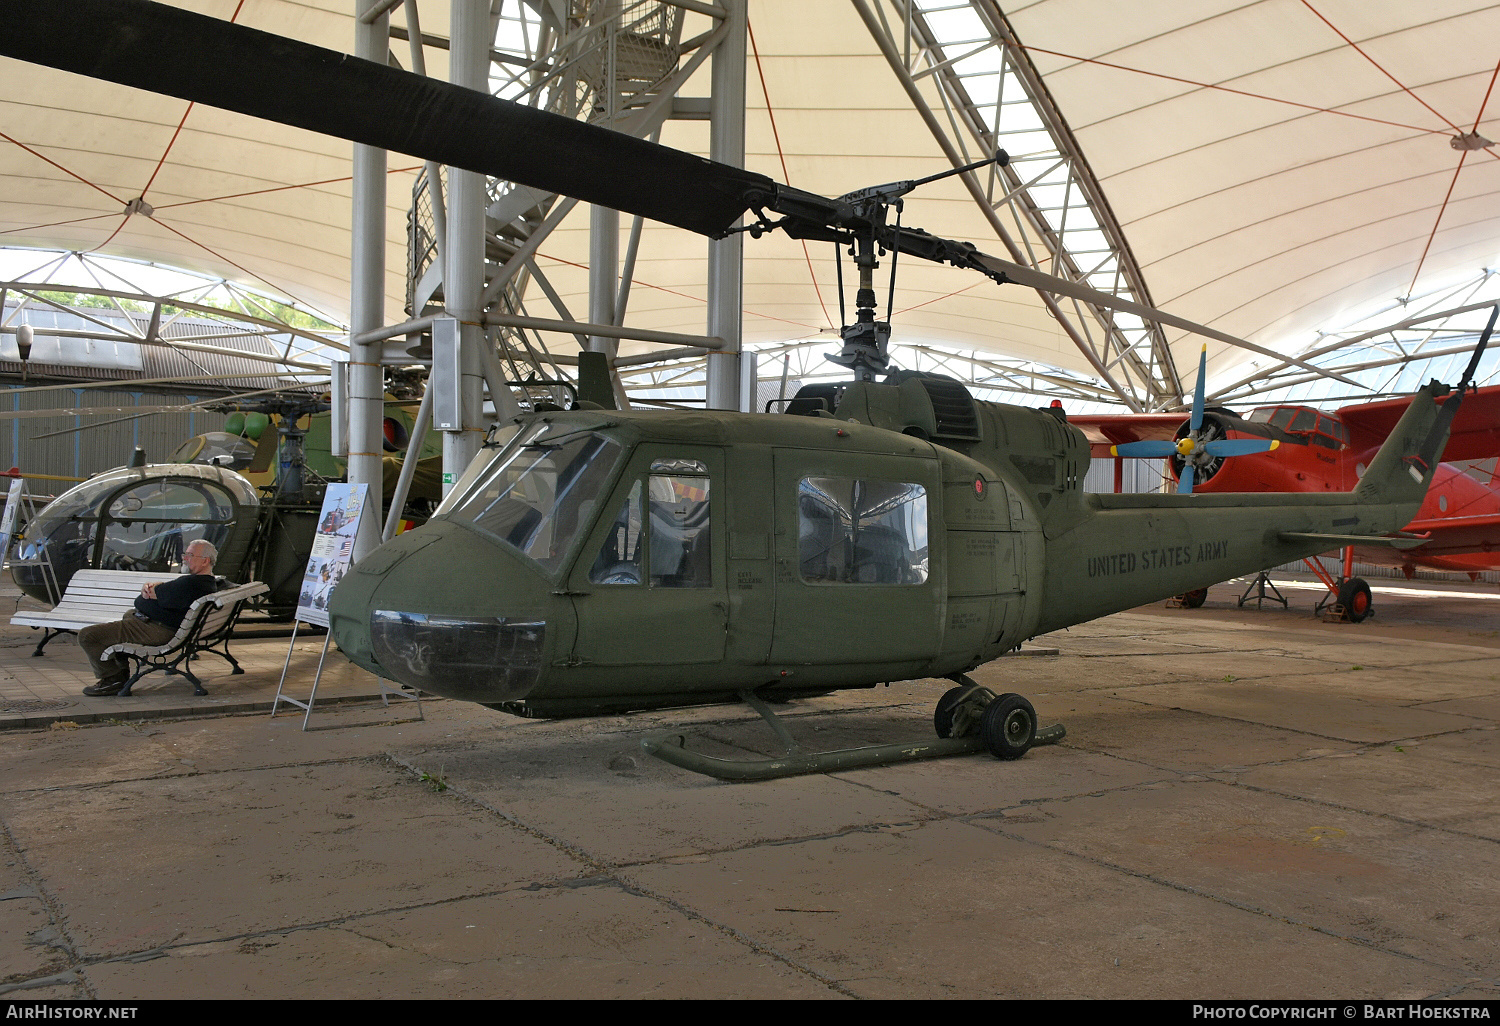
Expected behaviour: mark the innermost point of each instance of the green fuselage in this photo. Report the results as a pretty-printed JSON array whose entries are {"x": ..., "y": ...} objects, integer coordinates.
[{"x": 596, "y": 560}]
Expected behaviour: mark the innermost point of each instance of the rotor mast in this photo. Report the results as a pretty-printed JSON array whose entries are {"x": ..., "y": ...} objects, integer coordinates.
[{"x": 866, "y": 340}]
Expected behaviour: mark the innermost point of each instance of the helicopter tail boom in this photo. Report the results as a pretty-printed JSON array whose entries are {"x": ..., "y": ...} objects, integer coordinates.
[{"x": 1145, "y": 547}]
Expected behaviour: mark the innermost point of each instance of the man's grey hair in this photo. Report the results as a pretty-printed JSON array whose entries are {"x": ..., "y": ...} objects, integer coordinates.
[{"x": 206, "y": 547}]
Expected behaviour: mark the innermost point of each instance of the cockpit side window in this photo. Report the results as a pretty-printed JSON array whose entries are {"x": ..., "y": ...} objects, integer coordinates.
[
  {"x": 619, "y": 558},
  {"x": 148, "y": 527},
  {"x": 680, "y": 546},
  {"x": 665, "y": 541},
  {"x": 1329, "y": 433}
]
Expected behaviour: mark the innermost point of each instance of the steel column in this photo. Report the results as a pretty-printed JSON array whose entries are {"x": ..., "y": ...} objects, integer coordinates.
[
  {"x": 367, "y": 297},
  {"x": 463, "y": 271},
  {"x": 726, "y": 256},
  {"x": 604, "y": 273}
]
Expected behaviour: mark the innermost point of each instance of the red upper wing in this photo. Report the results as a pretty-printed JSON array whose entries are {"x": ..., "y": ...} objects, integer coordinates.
[
  {"x": 1106, "y": 429},
  {"x": 1453, "y": 535},
  {"x": 1476, "y": 429}
]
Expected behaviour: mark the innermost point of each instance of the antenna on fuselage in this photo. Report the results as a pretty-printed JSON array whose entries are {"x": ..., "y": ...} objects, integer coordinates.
[{"x": 1427, "y": 454}]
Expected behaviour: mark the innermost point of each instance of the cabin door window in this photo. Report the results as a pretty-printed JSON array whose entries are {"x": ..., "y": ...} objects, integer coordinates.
[
  {"x": 856, "y": 579},
  {"x": 649, "y": 589}
]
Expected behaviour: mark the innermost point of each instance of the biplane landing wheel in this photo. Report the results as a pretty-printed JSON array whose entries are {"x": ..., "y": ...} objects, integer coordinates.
[
  {"x": 1193, "y": 599},
  {"x": 1354, "y": 596},
  {"x": 1008, "y": 727}
]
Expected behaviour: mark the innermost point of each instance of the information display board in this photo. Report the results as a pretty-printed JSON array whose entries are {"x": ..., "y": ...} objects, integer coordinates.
[{"x": 332, "y": 550}]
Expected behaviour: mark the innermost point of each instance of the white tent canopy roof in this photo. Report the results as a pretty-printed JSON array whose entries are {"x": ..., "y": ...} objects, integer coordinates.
[{"x": 1275, "y": 165}]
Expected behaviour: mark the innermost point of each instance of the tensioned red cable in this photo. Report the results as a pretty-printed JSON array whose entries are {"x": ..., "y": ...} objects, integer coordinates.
[
  {"x": 218, "y": 256},
  {"x": 281, "y": 188},
  {"x": 210, "y": 199},
  {"x": 124, "y": 219},
  {"x": 939, "y": 299},
  {"x": 1478, "y": 118},
  {"x": 64, "y": 170},
  {"x": 173, "y": 141},
  {"x": 785, "y": 175},
  {"x": 1439, "y": 220},
  {"x": 161, "y": 162},
  {"x": 1228, "y": 89},
  {"x": 1376, "y": 65},
  {"x": 54, "y": 224}
]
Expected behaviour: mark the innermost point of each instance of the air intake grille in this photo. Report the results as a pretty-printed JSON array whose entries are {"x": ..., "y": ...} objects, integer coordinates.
[{"x": 954, "y": 409}]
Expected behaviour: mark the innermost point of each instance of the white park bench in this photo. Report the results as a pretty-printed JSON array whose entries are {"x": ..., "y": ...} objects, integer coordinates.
[
  {"x": 206, "y": 627},
  {"x": 92, "y": 596},
  {"x": 103, "y": 596}
]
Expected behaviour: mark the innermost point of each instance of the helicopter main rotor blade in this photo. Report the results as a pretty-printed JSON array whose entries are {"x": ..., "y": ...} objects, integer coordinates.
[
  {"x": 1044, "y": 282},
  {"x": 92, "y": 411},
  {"x": 137, "y": 412},
  {"x": 179, "y": 53}
]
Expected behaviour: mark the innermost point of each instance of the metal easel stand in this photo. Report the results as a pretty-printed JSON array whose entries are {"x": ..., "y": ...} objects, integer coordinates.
[
  {"x": 32, "y": 505},
  {"x": 1259, "y": 585},
  {"x": 386, "y": 693}
]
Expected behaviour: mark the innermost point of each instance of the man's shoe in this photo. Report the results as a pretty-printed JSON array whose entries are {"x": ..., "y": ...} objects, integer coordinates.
[{"x": 105, "y": 688}]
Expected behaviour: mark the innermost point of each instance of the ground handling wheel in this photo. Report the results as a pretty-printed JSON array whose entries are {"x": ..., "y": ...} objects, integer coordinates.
[
  {"x": 958, "y": 711},
  {"x": 1008, "y": 727},
  {"x": 1193, "y": 599}
]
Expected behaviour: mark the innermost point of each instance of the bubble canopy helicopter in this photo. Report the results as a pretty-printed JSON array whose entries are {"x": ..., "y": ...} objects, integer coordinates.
[
  {"x": 890, "y": 528},
  {"x": 253, "y": 490}
]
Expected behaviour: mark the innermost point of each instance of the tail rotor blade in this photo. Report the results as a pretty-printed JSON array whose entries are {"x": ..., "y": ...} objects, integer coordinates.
[
  {"x": 1484, "y": 339},
  {"x": 1432, "y": 446}
]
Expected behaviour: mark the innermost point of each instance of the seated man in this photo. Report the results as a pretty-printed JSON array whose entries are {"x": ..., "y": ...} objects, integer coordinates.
[{"x": 158, "y": 613}]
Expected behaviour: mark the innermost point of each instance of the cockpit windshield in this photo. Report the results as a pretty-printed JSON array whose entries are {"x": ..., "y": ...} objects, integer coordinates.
[{"x": 538, "y": 492}]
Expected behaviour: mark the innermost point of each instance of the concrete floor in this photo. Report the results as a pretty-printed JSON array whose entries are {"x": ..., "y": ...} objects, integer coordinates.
[{"x": 1249, "y": 804}]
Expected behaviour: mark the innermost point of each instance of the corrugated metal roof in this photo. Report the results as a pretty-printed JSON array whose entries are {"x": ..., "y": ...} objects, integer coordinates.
[{"x": 65, "y": 358}]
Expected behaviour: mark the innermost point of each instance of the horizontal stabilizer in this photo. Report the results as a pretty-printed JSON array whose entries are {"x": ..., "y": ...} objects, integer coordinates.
[{"x": 1338, "y": 541}]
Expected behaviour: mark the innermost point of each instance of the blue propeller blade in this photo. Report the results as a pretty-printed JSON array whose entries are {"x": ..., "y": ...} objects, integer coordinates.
[
  {"x": 1238, "y": 446},
  {"x": 1185, "y": 482},
  {"x": 1197, "y": 421},
  {"x": 1153, "y": 449}
]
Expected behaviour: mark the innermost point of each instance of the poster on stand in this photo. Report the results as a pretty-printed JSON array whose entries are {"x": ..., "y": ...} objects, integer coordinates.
[{"x": 332, "y": 551}]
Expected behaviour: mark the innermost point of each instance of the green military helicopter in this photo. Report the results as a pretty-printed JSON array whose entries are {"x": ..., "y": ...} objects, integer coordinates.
[{"x": 890, "y": 528}]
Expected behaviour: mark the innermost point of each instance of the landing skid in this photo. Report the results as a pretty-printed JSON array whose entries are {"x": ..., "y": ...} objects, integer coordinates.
[{"x": 1008, "y": 732}]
